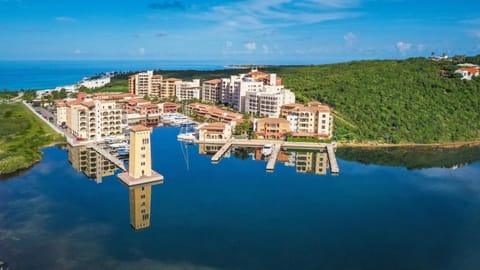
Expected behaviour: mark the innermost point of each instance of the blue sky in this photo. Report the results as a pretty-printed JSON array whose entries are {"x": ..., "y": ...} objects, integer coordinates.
[{"x": 249, "y": 31}]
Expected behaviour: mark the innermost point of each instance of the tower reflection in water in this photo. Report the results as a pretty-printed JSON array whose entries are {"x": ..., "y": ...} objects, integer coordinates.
[{"x": 95, "y": 166}]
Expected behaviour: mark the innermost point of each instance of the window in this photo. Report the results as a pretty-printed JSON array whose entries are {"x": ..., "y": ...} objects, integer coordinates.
[{"x": 142, "y": 196}]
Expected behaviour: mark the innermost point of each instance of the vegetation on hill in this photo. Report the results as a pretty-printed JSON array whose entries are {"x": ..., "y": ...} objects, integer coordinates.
[
  {"x": 21, "y": 134},
  {"x": 392, "y": 101}
]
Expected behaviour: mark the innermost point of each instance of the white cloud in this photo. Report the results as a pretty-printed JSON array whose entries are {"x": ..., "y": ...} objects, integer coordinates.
[
  {"x": 265, "y": 48},
  {"x": 250, "y": 46},
  {"x": 77, "y": 51},
  {"x": 349, "y": 39},
  {"x": 403, "y": 47},
  {"x": 265, "y": 14},
  {"x": 141, "y": 51},
  {"x": 421, "y": 47},
  {"x": 337, "y": 3},
  {"x": 65, "y": 19}
]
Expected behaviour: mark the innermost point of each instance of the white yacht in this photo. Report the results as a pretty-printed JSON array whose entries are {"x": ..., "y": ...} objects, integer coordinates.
[{"x": 267, "y": 149}]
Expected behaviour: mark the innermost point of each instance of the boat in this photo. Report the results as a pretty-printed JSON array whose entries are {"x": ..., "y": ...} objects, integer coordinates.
[
  {"x": 267, "y": 149},
  {"x": 187, "y": 137}
]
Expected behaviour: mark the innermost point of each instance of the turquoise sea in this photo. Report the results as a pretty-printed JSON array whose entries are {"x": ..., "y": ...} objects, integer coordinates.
[
  {"x": 16, "y": 75},
  {"x": 235, "y": 215}
]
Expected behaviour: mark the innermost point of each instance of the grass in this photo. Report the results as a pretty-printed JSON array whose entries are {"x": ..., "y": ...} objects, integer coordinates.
[{"x": 21, "y": 135}]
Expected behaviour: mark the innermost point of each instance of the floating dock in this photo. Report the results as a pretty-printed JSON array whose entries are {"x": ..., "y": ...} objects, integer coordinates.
[
  {"x": 333, "y": 160},
  {"x": 278, "y": 145},
  {"x": 108, "y": 156},
  {"x": 273, "y": 157},
  {"x": 216, "y": 158}
]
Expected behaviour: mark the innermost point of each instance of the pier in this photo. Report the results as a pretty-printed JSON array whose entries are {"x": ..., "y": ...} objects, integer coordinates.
[
  {"x": 107, "y": 155},
  {"x": 273, "y": 157},
  {"x": 278, "y": 145},
  {"x": 333, "y": 160},
  {"x": 216, "y": 158}
]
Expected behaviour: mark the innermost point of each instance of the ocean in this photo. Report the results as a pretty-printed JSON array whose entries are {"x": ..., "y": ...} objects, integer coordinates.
[{"x": 17, "y": 75}]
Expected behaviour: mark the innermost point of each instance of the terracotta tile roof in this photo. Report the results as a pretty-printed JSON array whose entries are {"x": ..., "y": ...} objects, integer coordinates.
[
  {"x": 214, "y": 126},
  {"x": 214, "y": 81},
  {"x": 472, "y": 70},
  {"x": 274, "y": 120},
  {"x": 60, "y": 103},
  {"x": 139, "y": 128}
]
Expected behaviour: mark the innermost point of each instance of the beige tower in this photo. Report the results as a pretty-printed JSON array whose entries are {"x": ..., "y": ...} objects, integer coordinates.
[
  {"x": 140, "y": 203},
  {"x": 140, "y": 160}
]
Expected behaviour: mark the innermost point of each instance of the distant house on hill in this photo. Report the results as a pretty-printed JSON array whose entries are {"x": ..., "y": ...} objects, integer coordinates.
[{"x": 468, "y": 71}]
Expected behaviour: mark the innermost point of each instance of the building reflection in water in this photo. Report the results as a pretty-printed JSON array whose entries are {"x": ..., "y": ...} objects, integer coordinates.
[
  {"x": 95, "y": 166},
  {"x": 308, "y": 162},
  {"x": 90, "y": 163}
]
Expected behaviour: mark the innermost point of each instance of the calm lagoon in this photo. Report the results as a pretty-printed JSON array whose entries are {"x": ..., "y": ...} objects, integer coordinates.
[{"x": 235, "y": 215}]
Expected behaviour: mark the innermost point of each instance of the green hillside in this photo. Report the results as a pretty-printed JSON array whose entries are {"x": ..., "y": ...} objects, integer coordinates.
[{"x": 392, "y": 101}]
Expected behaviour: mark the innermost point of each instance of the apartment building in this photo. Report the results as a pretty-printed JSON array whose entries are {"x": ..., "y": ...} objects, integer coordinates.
[
  {"x": 188, "y": 90},
  {"x": 95, "y": 83},
  {"x": 269, "y": 101},
  {"x": 141, "y": 111},
  {"x": 90, "y": 119},
  {"x": 271, "y": 128},
  {"x": 61, "y": 112},
  {"x": 254, "y": 92},
  {"x": 168, "y": 88},
  {"x": 314, "y": 120},
  {"x": 214, "y": 113},
  {"x": 168, "y": 107},
  {"x": 145, "y": 84},
  {"x": 211, "y": 90},
  {"x": 141, "y": 83},
  {"x": 214, "y": 131}
]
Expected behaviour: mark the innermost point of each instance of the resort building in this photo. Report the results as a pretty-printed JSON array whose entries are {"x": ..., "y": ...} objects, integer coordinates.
[
  {"x": 269, "y": 101},
  {"x": 211, "y": 90},
  {"x": 61, "y": 112},
  {"x": 188, "y": 90},
  {"x": 254, "y": 92},
  {"x": 168, "y": 107},
  {"x": 312, "y": 121},
  {"x": 214, "y": 131},
  {"x": 213, "y": 113},
  {"x": 468, "y": 71},
  {"x": 271, "y": 128},
  {"x": 141, "y": 111},
  {"x": 141, "y": 83},
  {"x": 145, "y": 84},
  {"x": 95, "y": 83},
  {"x": 89, "y": 119},
  {"x": 168, "y": 88}
]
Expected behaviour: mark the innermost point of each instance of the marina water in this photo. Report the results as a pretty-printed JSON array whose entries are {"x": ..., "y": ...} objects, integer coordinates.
[{"x": 235, "y": 215}]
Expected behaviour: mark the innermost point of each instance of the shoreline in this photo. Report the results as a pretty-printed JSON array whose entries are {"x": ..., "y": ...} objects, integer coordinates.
[{"x": 409, "y": 145}]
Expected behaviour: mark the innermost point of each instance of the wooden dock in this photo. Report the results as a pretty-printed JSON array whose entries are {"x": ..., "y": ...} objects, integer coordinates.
[
  {"x": 278, "y": 145},
  {"x": 218, "y": 156},
  {"x": 333, "y": 160},
  {"x": 273, "y": 157},
  {"x": 108, "y": 156}
]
